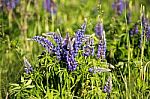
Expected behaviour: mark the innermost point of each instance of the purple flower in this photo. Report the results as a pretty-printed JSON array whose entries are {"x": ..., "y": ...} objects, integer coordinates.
[
  {"x": 92, "y": 46},
  {"x": 44, "y": 42},
  {"x": 70, "y": 60},
  {"x": 89, "y": 47},
  {"x": 65, "y": 41},
  {"x": 134, "y": 30},
  {"x": 108, "y": 86},
  {"x": 101, "y": 52},
  {"x": 144, "y": 21},
  {"x": 66, "y": 52},
  {"x": 66, "y": 49},
  {"x": 91, "y": 70},
  {"x": 118, "y": 6},
  {"x": 144, "y": 28},
  {"x": 87, "y": 50},
  {"x": 11, "y": 4},
  {"x": 70, "y": 56},
  {"x": 58, "y": 46},
  {"x": 28, "y": 68},
  {"x": 148, "y": 33},
  {"x": 65, "y": 46},
  {"x": 99, "y": 30},
  {"x": 50, "y": 6},
  {"x": 141, "y": 38},
  {"x": 98, "y": 69},
  {"x": 78, "y": 38},
  {"x": 57, "y": 49}
]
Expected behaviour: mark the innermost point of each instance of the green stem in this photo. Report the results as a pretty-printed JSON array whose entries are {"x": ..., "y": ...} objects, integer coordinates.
[{"x": 129, "y": 53}]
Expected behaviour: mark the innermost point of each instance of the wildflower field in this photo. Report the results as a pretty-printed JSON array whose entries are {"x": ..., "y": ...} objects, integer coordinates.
[{"x": 74, "y": 49}]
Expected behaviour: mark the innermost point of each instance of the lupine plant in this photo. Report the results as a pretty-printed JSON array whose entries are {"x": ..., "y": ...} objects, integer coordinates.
[{"x": 68, "y": 51}]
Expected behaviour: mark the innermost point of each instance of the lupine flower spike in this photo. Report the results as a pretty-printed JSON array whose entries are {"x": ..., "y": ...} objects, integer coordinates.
[
  {"x": 78, "y": 38},
  {"x": 108, "y": 86},
  {"x": 101, "y": 53},
  {"x": 144, "y": 27},
  {"x": 148, "y": 33},
  {"x": 65, "y": 41},
  {"x": 11, "y": 4},
  {"x": 58, "y": 40},
  {"x": 70, "y": 57},
  {"x": 134, "y": 30},
  {"x": 28, "y": 68},
  {"x": 100, "y": 33},
  {"x": 50, "y": 6},
  {"x": 99, "y": 30},
  {"x": 64, "y": 50},
  {"x": 57, "y": 49},
  {"x": 44, "y": 42},
  {"x": 65, "y": 47},
  {"x": 89, "y": 47},
  {"x": 118, "y": 6},
  {"x": 98, "y": 70},
  {"x": 144, "y": 20}
]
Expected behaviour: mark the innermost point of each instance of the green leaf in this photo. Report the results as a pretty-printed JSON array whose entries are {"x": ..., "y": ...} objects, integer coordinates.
[
  {"x": 22, "y": 79},
  {"x": 11, "y": 84},
  {"x": 30, "y": 86},
  {"x": 29, "y": 82}
]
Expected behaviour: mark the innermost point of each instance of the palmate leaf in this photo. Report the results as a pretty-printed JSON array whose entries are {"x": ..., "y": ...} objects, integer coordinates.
[{"x": 14, "y": 89}]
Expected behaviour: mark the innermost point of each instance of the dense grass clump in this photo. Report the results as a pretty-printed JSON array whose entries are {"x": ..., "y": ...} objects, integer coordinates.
[{"x": 74, "y": 49}]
